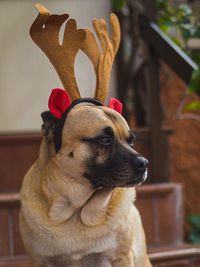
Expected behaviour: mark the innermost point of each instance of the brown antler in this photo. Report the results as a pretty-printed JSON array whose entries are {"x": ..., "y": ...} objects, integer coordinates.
[
  {"x": 45, "y": 33},
  {"x": 102, "y": 61}
]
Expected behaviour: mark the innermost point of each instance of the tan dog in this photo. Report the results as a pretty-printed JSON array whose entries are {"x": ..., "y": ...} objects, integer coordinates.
[{"x": 77, "y": 203}]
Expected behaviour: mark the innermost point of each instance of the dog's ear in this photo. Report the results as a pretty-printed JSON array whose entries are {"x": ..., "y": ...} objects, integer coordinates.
[{"x": 48, "y": 126}]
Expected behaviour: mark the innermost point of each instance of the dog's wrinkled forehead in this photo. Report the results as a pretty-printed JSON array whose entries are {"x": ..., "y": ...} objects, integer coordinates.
[{"x": 90, "y": 120}]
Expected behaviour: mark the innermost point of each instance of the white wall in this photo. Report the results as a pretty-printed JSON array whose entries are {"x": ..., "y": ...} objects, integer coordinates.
[{"x": 26, "y": 76}]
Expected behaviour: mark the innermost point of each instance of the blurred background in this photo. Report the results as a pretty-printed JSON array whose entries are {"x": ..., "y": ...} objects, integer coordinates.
[{"x": 156, "y": 76}]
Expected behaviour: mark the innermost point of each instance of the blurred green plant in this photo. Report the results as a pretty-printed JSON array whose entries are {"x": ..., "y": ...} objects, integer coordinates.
[
  {"x": 182, "y": 23},
  {"x": 118, "y": 4},
  {"x": 194, "y": 234}
]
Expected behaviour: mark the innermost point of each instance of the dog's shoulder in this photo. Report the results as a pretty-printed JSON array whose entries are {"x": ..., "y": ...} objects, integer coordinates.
[{"x": 31, "y": 182}]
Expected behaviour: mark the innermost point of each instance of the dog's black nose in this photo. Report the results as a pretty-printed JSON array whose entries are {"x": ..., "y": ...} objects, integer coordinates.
[{"x": 140, "y": 163}]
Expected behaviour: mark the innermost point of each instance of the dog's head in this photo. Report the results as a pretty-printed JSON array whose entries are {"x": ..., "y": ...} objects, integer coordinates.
[{"x": 98, "y": 145}]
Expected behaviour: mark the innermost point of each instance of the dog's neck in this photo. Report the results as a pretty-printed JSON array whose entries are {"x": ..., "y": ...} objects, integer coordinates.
[
  {"x": 94, "y": 212},
  {"x": 65, "y": 196}
]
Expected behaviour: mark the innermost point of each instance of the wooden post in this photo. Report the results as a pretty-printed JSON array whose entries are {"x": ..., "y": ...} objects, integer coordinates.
[{"x": 160, "y": 171}]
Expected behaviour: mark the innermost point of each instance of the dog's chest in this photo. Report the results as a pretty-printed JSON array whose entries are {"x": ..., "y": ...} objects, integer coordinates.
[
  {"x": 78, "y": 246},
  {"x": 73, "y": 247}
]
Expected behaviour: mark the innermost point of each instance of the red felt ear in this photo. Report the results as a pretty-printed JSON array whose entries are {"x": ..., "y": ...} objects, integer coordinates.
[
  {"x": 115, "y": 104},
  {"x": 59, "y": 101}
]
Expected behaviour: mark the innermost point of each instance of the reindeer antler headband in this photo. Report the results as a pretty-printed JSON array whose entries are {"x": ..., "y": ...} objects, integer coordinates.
[{"x": 45, "y": 33}]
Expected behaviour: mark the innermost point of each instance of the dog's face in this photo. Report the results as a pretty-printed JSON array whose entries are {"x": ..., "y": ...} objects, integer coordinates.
[{"x": 97, "y": 145}]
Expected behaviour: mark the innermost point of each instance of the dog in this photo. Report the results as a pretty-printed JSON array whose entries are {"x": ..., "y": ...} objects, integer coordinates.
[
  {"x": 77, "y": 205},
  {"x": 77, "y": 199}
]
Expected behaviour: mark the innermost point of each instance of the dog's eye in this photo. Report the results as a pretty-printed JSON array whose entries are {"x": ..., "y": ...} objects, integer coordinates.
[
  {"x": 131, "y": 139},
  {"x": 105, "y": 140},
  {"x": 131, "y": 143}
]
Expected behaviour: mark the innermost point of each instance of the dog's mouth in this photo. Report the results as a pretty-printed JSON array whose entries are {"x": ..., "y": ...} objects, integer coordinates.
[
  {"x": 137, "y": 180},
  {"x": 121, "y": 179},
  {"x": 131, "y": 178}
]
